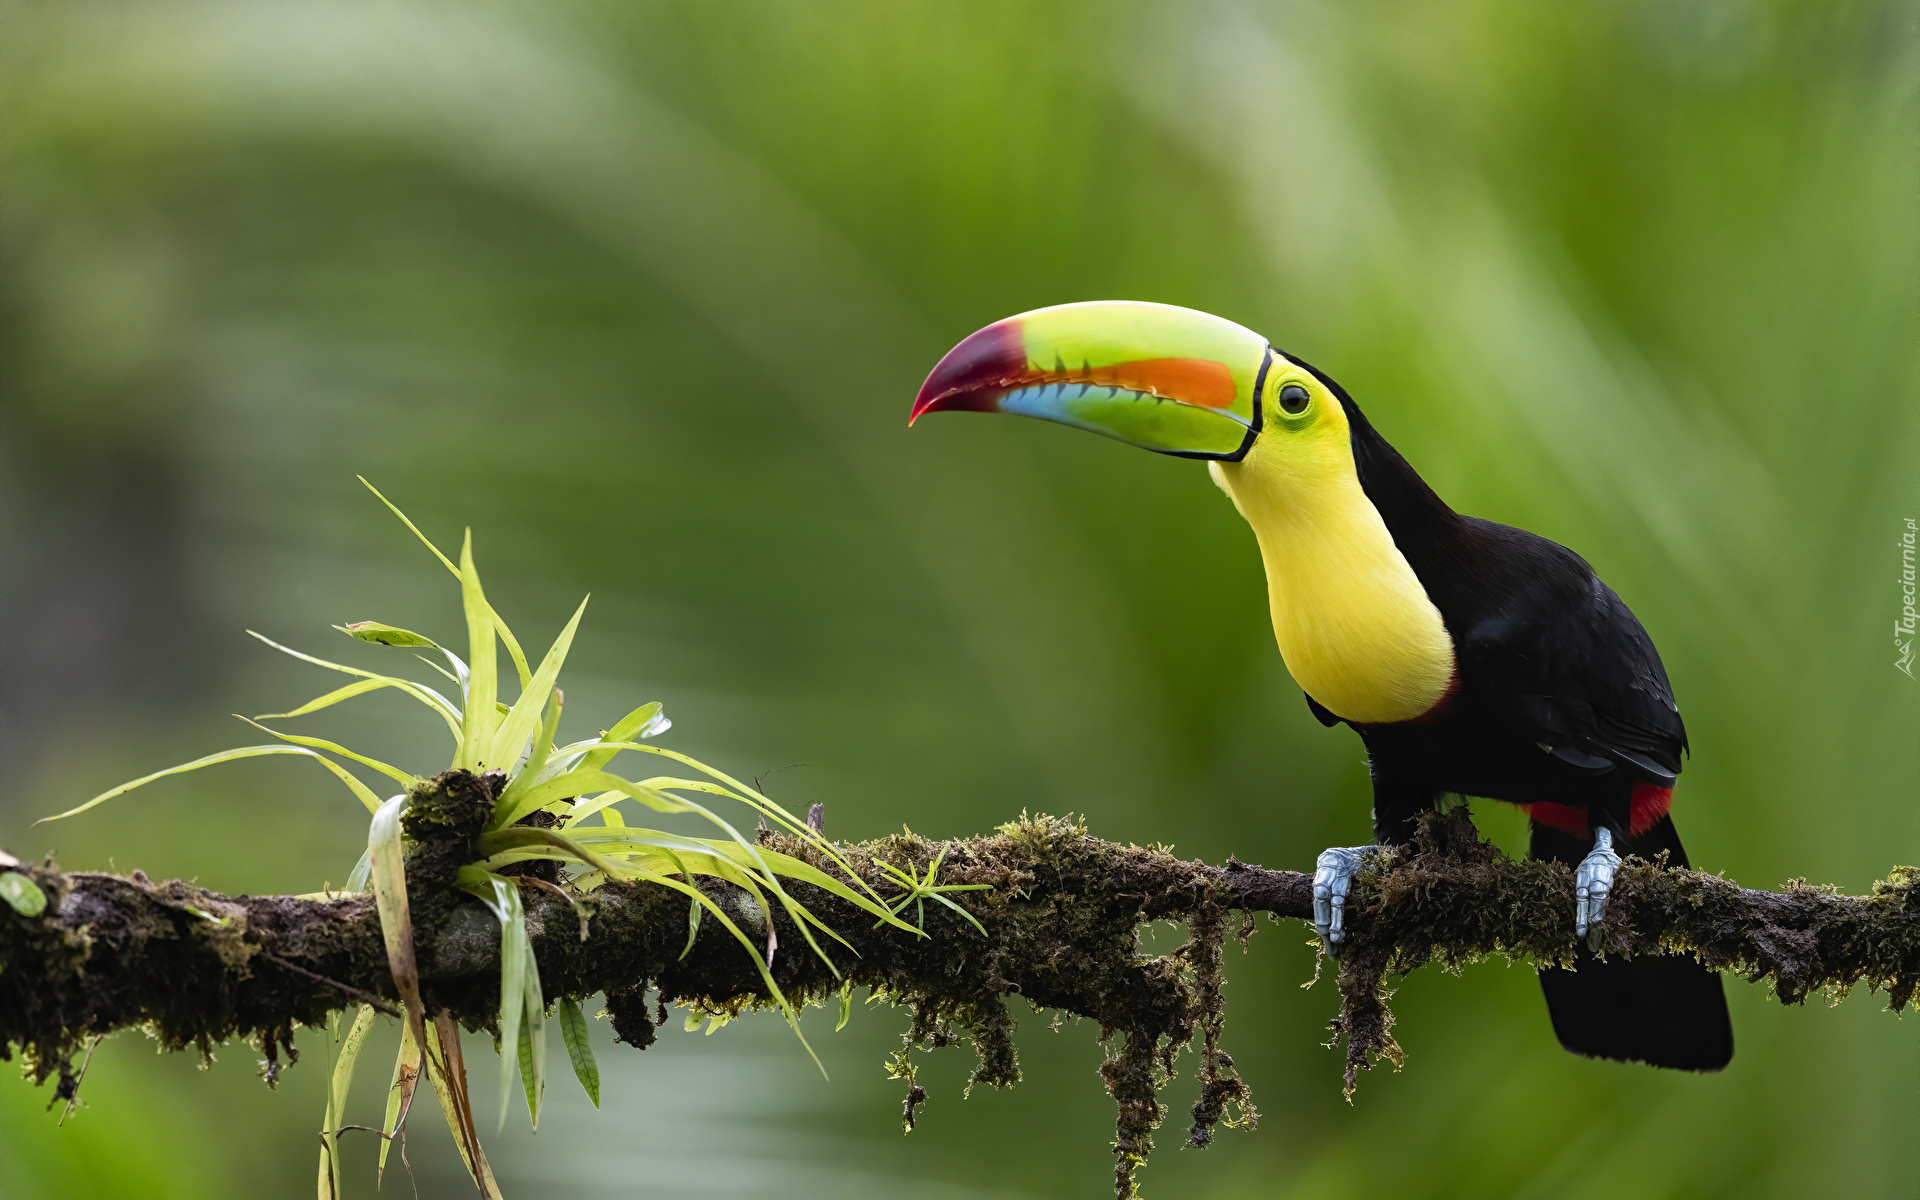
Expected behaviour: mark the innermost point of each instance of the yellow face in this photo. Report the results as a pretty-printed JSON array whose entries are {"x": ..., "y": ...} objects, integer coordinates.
[
  {"x": 1353, "y": 622},
  {"x": 1305, "y": 443}
]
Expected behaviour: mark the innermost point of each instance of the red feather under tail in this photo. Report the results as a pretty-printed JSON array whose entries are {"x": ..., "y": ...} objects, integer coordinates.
[{"x": 1650, "y": 803}]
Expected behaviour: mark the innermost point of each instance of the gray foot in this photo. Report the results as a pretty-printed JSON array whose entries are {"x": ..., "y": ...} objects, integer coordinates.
[
  {"x": 1591, "y": 884},
  {"x": 1333, "y": 874}
]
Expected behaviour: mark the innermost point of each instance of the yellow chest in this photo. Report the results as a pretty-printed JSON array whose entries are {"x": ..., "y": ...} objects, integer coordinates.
[{"x": 1353, "y": 622}]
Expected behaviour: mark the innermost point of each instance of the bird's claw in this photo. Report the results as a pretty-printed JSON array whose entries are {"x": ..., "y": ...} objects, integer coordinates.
[
  {"x": 1591, "y": 885},
  {"x": 1333, "y": 874}
]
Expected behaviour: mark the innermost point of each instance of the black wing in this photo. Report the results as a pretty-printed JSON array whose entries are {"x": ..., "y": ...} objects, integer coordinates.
[{"x": 1582, "y": 677}]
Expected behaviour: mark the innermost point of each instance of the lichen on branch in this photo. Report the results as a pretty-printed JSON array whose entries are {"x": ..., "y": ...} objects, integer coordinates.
[{"x": 1062, "y": 921}]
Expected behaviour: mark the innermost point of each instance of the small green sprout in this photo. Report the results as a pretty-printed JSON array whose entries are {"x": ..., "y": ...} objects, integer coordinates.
[
  {"x": 919, "y": 891},
  {"x": 23, "y": 894}
]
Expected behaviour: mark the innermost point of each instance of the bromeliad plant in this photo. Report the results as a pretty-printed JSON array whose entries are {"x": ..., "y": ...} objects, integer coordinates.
[{"x": 570, "y": 782}]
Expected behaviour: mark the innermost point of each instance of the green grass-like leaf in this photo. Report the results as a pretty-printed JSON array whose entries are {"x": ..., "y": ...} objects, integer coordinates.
[
  {"x": 541, "y": 751},
  {"x": 425, "y": 695},
  {"x": 573, "y": 1031},
  {"x": 524, "y": 718},
  {"x": 313, "y": 743},
  {"x": 359, "y": 789},
  {"x": 533, "y": 1075},
  {"x": 480, "y": 720},
  {"x": 406, "y": 1077},
  {"x": 330, "y": 699},
  {"x": 724, "y": 855},
  {"x": 629, "y": 871},
  {"x": 506, "y": 635},
  {"x": 584, "y": 779},
  {"x": 753, "y": 799},
  {"x": 522, "y": 1003},
  {"x": 386, "y": 635},
  {"x": 388, "y": 875},
  {"x": 337, "y": 1086},
  {"x": 641, "y": 722}
]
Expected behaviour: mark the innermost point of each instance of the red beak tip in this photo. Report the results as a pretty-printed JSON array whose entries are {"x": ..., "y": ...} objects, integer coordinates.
[{"x": 968, "y": 375}]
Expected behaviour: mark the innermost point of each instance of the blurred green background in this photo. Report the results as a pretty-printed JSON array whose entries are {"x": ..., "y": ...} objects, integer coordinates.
[{"x": 641, "y": 291}]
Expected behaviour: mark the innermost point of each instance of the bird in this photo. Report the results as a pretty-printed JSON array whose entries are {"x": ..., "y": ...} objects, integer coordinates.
[{"x": 1472, "y": 658}]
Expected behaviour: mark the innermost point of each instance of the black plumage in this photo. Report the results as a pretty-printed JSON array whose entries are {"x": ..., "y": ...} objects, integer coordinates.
[{"x": 1559, "y": 698}]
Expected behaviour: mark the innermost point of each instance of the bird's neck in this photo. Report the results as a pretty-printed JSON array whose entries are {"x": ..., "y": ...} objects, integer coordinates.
[{"x": 1355, "y": 626}]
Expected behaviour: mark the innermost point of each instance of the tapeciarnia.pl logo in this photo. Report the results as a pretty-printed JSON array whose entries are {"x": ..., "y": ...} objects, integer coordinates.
[{"x": 1903, "y": 628}]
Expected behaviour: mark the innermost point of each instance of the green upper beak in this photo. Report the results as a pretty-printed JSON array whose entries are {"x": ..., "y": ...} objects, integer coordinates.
[{"x": 1151, "y": 375}]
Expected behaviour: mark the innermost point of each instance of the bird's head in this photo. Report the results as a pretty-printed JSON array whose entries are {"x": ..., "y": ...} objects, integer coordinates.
[
  {"x": 1350, "y": 615},
  {"x": 1163, "y": 378},
  {"x": 1352, "y": 618}
]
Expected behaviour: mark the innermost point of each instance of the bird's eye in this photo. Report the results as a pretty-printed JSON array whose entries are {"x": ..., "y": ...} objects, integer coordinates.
[{"x": 1295, "y": 398}]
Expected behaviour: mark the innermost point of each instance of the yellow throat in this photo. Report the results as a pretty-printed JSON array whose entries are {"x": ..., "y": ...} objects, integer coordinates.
[{"x": 1355, "y": 626}]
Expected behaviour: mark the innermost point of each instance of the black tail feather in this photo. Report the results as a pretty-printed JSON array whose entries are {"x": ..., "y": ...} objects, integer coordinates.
[{"x": 1666, "y": 1011}]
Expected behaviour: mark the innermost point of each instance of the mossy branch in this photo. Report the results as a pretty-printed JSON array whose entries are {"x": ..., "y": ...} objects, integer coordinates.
[{"x": 1062, "y": 922}]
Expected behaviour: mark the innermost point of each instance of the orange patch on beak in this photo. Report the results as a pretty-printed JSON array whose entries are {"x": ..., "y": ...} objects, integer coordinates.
[{"x": 1198, "y": 381}]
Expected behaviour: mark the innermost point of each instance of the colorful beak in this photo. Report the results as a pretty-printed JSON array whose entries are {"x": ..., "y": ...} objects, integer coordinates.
[{"x": 1152, "y": 375}]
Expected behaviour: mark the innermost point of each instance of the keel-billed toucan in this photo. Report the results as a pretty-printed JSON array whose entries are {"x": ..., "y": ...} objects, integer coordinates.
[{"x": 1472, "y": 658}]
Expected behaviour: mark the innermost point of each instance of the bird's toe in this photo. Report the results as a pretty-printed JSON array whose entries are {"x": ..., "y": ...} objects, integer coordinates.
[
  {"x": 1592, "y": 884},
  {"x": 1333, "y": 874}
]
